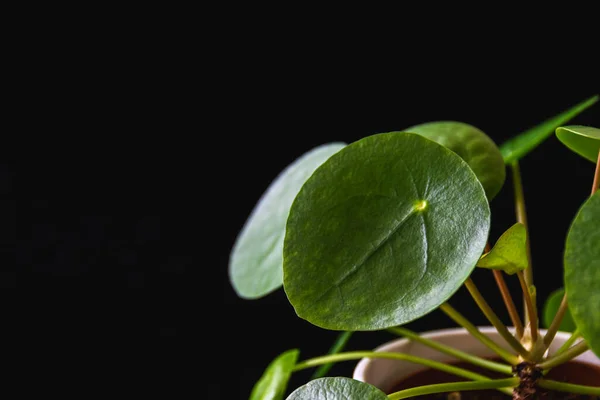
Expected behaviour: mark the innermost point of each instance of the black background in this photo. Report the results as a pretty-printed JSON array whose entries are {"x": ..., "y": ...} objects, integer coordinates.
[{"x": 126, "y": 224}]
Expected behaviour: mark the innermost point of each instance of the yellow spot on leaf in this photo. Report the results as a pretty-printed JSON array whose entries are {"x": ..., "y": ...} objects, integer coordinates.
[{"x": 421, "y": 205}]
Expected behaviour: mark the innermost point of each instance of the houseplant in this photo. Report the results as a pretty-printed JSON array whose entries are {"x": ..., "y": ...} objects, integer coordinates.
[{"x": 380, "y": 232}]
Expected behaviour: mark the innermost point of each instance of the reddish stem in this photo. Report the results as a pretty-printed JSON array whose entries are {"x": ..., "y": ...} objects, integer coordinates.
[
  {"x": 530, "y": 307},
  {"x": 510, "y": 305}
]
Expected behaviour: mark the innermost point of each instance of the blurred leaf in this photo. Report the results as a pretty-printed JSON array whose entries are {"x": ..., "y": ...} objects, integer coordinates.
[
  {"x": 551, "y": 308},
  {"x": 273, "y": 384},
  {"x": 517, "y": 147},
  {"x": 583, "y": 140},
  {"x": 582, "y": 271},
  {"x": 256, "y": 261},
  {"x": 473, "y": 146}
]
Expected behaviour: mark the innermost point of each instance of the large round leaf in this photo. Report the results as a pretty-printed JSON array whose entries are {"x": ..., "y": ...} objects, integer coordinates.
[
  {"x": 582, "y": 271},
  {"x": 473, "y": 146},
  {"x": 273, "y": 384},
  {"x": 382, "y": 233},
  {"x": 256, "y": 261},
  {"x": 337, "y": 388},
  {"x": 583, "y": 140},
  {"x": 551, "y": 306}
]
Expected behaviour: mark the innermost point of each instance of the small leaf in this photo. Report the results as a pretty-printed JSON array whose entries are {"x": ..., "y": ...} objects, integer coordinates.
[
  {"x": 256, "y": 261},
  {"x": 510, "y": 251},
  {"x": 583, "y": 140},
  {"x": 517, "y": 147},
  {"x": 337, "y": 388},
  {"x": 551, "y": 308},
  {"x": 582, "y": 271},
  {"x": 382, "y": 233},
  {"x": 473, "y": 146},
  {"x": 273, "y": 384},
  {"x": 338, "y": 346}
]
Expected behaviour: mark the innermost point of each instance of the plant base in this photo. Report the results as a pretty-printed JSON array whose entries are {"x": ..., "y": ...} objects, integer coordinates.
[
  {"x": 572, "y": 372},
  {"x": 529, "y": 375}
]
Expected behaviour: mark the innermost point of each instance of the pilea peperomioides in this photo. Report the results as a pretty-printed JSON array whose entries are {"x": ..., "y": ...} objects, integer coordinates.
[{"x": 382, "y": 231}]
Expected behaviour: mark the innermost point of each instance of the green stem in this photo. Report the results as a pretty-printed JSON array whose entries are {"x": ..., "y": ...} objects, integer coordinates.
[
  {"x": 569, "y": 387},
  {"x": 355, "y": 355},
  {"x": 522, "y": 218},
  {"x": 508, "y": 301},
  {"x": 567, "y": 344},
  {"x": 555, "y": 325},
  {"x": 530, "y": 306},
  {"x": 455, "y": 387},
  {"x": 337, "y": 346},
  {"x": 472, "y": 329},
  {"x": 461, "y": 355},
  {"x": 565, "y": 356},
  {"x": 494, "y": 320}
]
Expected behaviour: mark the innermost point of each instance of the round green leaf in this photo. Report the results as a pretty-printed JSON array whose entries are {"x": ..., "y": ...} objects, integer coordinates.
[
  {"x": 256, "y": 261},
  {"x": 382, "y": 233},
  {"x": 510, "y": 251},
  {"x": 519, "y": 146},
  {"x": 273, "y": 384},
  {"x": 551, "y": 308},
  {"x": 473, "y": 146},
  {"x": 583, "y": 140},
  {"x": 337, "y": 388},
  {"x": 582, "y": 271}
]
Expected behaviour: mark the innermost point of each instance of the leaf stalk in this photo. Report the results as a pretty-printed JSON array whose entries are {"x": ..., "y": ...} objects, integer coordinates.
[
  {"x": 565, "y": 356},
  {"x": 556, "y": 321},
  {"x": 472, "y": 329},
  {"x": 494, "y": 320},
  {"x": 456, "y": 386},
  {"x": 529, "y": 306},
  {"x": 508, "y": 301},
  {"x": 461, "y": 355},
  {"x": 569, "y": 387}
]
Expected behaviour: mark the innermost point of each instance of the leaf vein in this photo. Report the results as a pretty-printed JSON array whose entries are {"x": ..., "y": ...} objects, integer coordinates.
[{"x": 369, "y": 254}]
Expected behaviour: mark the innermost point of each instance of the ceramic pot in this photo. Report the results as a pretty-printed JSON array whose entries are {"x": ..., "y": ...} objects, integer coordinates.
[{"x": 385, "y": 374}]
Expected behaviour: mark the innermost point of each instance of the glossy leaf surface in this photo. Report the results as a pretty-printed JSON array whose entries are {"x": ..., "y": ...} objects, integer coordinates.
[
  {"x": 516, "y": 148},
  {"x": 582, "y": 271},
  {"x": 256, "y": 261},
  {"x": 473, "y": 146},
  {"x": 510, "y": 251},
  {"x": 551, "y": 308},
  {"x": 382, "y": 233},
  {"x": 273, "y": 384},
  {"x": 583, "y": 140},
  {"x": 337, "y": 388}
]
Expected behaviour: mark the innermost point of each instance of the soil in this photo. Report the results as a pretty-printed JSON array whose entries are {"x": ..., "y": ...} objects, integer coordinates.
[{"x": 571, "y": 372}]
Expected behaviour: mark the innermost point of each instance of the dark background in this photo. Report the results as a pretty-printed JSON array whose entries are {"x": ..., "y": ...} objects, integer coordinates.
[{"x": 132, "y": 191}]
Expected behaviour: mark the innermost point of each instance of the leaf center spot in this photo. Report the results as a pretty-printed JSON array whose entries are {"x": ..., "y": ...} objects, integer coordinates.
[{"x": 421, "y": 205}]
